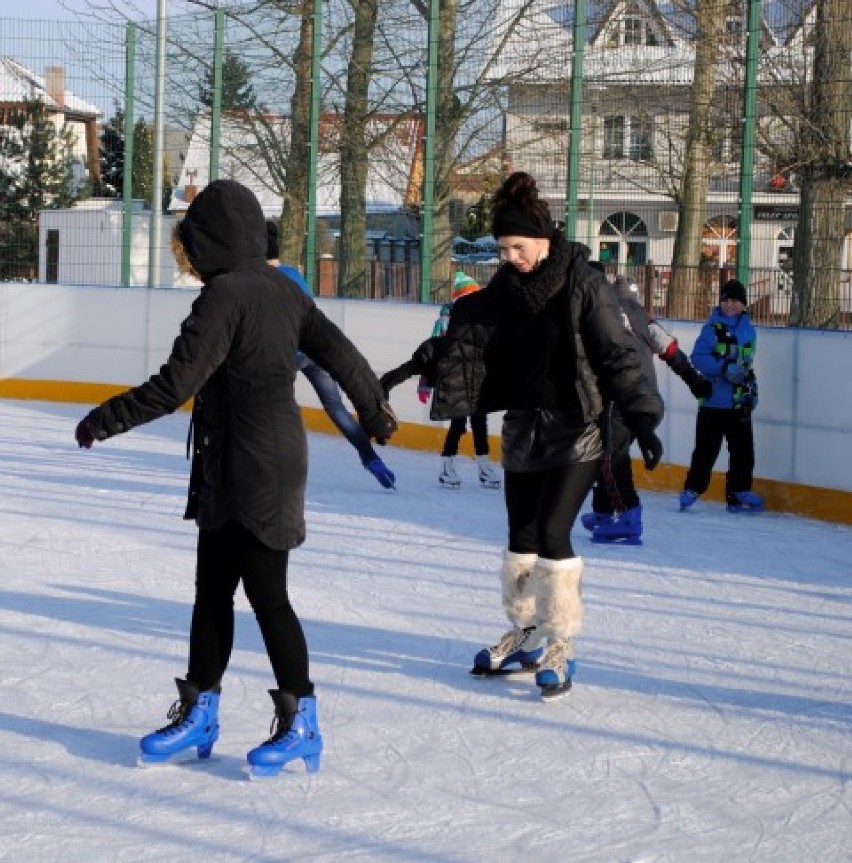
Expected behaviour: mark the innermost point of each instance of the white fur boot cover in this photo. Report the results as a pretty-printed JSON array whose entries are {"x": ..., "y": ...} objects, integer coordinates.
[
  {"x": 557, "y": 586},
  {"x": 518, "y": 591}
]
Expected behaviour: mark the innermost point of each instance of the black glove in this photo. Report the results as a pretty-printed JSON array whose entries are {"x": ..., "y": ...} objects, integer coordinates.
[
  {"x": 83, "y": 435},
  {"x": 395, "y": 377},
  {"x": 699, "y": 386},
  {"x": 650, "y": 445},
  {"x": 379, "y": 425}
]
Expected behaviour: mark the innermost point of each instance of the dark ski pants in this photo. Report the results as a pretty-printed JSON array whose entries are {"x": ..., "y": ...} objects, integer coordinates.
[
  {"x": 614, "y": 490},
  {"x": 542, "y": 508},
  {"x": 226, "y": 557},
  {"x": 479, "y": 428},
  {"x": 712, "y": 426}
]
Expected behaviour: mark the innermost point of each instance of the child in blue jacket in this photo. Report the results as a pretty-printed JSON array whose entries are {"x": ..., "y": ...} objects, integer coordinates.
[{"x": 724, "y": 353}]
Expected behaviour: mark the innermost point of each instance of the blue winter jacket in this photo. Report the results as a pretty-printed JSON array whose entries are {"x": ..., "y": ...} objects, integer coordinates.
[{"x": 726, "y": 340}]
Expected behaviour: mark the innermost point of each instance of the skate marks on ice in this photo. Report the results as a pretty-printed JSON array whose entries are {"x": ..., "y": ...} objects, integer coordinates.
[{"x": 708, "y": 719}]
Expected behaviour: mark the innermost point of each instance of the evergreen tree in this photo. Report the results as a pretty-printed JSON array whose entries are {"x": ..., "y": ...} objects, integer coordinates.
[
  {"x": 143, "y": 162},
  {"x": 237, "y": 89},
  {"x": 36, "y": 173},
  {"x": 111, "y": 153}
]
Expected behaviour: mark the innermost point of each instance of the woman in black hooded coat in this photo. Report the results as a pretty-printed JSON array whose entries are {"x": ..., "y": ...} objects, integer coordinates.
[
  {"x": 236, "y": 354},
  {"x": 544, "y": 342}
]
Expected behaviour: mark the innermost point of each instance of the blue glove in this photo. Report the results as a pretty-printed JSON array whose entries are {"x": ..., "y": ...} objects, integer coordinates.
[{"x": 734, "y": 373}]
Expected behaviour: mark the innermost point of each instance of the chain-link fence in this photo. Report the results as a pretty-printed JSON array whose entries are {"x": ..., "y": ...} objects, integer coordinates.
[{"x": 683, "y": 143}]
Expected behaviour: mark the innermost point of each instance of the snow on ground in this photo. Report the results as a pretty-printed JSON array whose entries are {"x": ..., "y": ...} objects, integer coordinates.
[{"x": 710, "y": 719}]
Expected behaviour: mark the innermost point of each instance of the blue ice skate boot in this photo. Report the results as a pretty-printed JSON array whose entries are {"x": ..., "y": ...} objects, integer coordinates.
[
  {"x": 381, "y": 472},
  {"x": 295, "y": 734},
  {"x": 518, "y": 646},
  {"x": 592, "y": 520},
  {"x": 687, "y": 499},
  {"x": 625, "y": 528},
  {"x": 194, "y": 723},
  {"x": 745, "y": 501},
  {"x": 556, "y": 670}
]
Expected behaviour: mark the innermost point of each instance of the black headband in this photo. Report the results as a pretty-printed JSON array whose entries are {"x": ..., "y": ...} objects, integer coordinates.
[{"x": 508, "y": 221}]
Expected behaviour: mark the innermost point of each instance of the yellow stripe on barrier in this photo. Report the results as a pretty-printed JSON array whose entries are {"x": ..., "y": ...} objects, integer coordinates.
[{"x": 825, "y": 504}]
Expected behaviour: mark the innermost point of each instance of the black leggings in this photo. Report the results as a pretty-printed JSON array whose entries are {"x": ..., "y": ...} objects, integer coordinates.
[
  {"x": 479, "y": 429},
  {"x": 226, "y": 556},
  {"x": 543, "y": 506}
]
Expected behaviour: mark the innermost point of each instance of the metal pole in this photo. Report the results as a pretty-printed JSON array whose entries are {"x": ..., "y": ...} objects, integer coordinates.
[
  {"x": 313, "y": 148},
  {"x": 746, "y": 214},
  {"x": 578, "y": 36},
  {"x": 427, "y": 242},
  {"x": 127, "y": 179},
  {"x": 216, "y": 108},
  {"x": 154, "y": 240}
]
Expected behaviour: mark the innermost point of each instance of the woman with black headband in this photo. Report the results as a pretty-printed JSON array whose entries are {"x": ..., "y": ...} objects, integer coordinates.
[{"x": 544, "y": 342}]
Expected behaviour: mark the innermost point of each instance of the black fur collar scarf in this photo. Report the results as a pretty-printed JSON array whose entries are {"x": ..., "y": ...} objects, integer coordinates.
[{"x": 529, "y": 292}]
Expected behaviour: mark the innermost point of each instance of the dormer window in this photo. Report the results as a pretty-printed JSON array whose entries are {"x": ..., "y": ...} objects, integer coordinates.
[{"x": 632, "y": 29}]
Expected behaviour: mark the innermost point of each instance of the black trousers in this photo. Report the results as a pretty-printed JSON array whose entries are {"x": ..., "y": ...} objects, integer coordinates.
[
  {"x": 479, "y": 428},
  {"x": 712, "y": 426},
  {"x": 542, "y": 508},
  {"x": 614, "y": 490},
  {"x": 225, "y": 557}
]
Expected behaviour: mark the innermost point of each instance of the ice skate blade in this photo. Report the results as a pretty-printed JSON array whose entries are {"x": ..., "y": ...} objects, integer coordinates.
[
  {"x": 555, "y": 691},
  {"x": 450, "y": 486},
  {"x": 526, "y": 668},
  {"x": 492, "y": 485},
  {"x": 617, "y": 540},
  {"x": 737, "y": 509}
]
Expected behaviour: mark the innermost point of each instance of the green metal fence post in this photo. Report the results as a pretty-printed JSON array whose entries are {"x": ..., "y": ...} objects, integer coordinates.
[
  {"x": 427, "y": 241},
  {"x": 746, "y": 214},
  {"x": 578, "y": 49},
  {"x": 127, "y": 180},
  {"x": 313, "y": 149},
  {"x": 216, "y": 108}
]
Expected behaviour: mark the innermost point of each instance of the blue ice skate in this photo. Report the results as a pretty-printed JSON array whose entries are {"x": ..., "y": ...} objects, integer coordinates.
[
  {"x": 687, "y": 499},
  {"x": 381, "y": 472},
  {"x": 592, "y": 520},
  {"x": 295, "y": 734},
  {"x": 194, "y": 723},
  {"x": 556, "y": 671},
  {"x": 517, "y": 647},
  {"x": 744, "y": 501},
  {"x": 623, "y": 529}
]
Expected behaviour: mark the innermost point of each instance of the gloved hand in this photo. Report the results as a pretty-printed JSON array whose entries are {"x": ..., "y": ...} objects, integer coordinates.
[
  {"x": 83, "y": 435},
  {"x": 380, "y": 425},
  {"x": 650, "y": 446},
  {"x": 424, "y": 391},
  {"x": 395, "y": 377},
  {"x": 679, "y": 363},
  {"x": 735, "y": 373}
]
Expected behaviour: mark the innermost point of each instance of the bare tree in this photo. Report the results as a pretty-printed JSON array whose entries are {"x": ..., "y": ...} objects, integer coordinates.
[
  {"x": 691, "y": 198},
  {"x": 826, "y": 156}
]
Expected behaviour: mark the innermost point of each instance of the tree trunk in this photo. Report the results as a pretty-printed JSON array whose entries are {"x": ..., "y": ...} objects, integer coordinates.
[
  {"x": 826, "y": 141},
  {"x": 449, "y": 114},
  {"x": 352, "y": 273},
  {"x": 684, "y": 286},
  {"x": 295, "y": 191}
]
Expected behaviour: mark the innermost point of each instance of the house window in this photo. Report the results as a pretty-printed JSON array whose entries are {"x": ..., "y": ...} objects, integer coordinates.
[
  {"x": 628, "y": 138},
  {"x": 719, "y": 242},
  {"x": 633, "y": 30},
  {"x": 623, "y": 240}
]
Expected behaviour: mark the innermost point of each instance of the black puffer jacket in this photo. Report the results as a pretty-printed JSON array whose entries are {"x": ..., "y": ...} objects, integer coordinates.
[
  {"x": 236, "y": 353},
  {"x": 550, "y": 348}
]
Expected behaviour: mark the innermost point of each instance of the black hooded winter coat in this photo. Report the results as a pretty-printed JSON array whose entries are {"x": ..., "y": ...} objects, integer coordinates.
[
  {"x": 550, "y": 348},
  {"x": 236, "y": 353}
]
